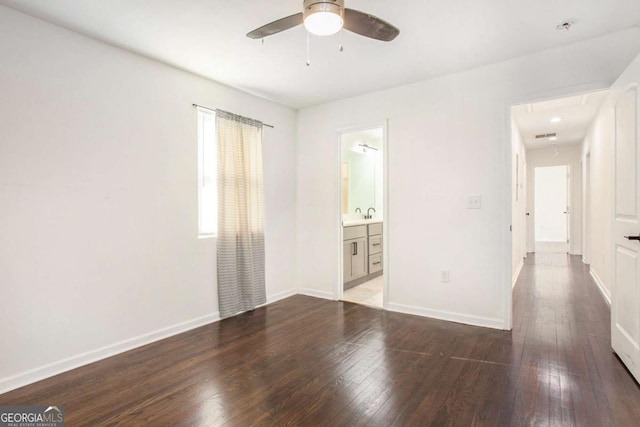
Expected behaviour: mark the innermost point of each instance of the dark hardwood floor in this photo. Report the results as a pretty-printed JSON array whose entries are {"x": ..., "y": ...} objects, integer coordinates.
[{"x": 310, "y": 362}]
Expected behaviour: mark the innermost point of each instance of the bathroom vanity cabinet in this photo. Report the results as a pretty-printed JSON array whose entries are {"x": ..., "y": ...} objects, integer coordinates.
[
  {"x": 355, "y": 252},
  {"x": 375, "y": 247},
  {"x": 362, "y": 253}
]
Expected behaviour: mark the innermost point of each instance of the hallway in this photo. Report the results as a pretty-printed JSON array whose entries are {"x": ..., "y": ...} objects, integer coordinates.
[{"x": 561, "y": 333}]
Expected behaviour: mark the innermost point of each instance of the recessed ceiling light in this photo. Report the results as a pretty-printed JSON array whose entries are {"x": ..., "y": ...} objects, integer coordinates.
[
  {"x": 556, "y": 120},
  {"x": 553, "y": 138}
]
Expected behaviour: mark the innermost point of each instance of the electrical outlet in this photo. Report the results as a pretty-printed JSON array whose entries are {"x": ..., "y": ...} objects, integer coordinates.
[
  {"x": 444, "y": 276},
  {"x": 474, "y": 201}
]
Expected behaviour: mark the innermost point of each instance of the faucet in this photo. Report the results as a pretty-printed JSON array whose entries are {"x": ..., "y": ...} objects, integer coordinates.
[
  {"x": 358, "y": 210},
  {"x": 368, "y": 215}
]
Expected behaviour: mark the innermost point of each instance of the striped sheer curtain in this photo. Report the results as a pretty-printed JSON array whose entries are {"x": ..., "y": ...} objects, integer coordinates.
[{"x": 241, "y": 282}]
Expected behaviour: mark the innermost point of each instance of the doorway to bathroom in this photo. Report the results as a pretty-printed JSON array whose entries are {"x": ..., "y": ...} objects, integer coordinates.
[{"x": 362, "y": 215}]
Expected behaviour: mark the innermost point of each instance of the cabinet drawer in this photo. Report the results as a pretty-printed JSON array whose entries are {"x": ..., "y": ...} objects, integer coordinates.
[
  {"x": 375, "y": 263},
  {"x": 354, "y": 232},
  {"x": 375, "y": 245},
  {"x": 375, "y": 229}
]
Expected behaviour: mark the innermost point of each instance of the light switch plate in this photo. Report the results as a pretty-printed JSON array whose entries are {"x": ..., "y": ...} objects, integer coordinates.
[
  {"x": 474, "y": 201},
  {"x": 444, "y": 276}
]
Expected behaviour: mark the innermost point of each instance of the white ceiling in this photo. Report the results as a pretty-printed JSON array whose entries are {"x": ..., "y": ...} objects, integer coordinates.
[
  {"x": 207, "y": 37},
  {"x": 576, "y": 114}
]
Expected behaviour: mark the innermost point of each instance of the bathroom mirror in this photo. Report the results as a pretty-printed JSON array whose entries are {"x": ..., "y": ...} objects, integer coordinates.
[{"x": 362, "y": 171}]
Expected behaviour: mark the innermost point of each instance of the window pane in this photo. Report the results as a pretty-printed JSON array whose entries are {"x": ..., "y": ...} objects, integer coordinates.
[{"x": 207, "y": 186}]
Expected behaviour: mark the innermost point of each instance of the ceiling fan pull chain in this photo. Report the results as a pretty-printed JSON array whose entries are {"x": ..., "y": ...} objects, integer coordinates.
[
  {"x": 263, "y": 41},
  {"x": 308, "y": 50},
  {"x": 341, "y": 45}
]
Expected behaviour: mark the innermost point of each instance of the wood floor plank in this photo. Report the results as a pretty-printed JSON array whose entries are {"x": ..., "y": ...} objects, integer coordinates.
[{"x": 304, "y": 361}]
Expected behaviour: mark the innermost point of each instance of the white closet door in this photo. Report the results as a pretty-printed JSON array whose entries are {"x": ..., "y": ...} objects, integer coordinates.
[{"x": 625, "y": 305}]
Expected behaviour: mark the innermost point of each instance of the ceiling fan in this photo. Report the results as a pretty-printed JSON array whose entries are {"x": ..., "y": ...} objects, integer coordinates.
[{"x": 327, "y": 17}]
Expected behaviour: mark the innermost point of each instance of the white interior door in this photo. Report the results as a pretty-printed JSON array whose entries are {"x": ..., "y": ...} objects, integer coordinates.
[
  {"x": 586, "y": 234},
  {"x": 625, "y": 304},
  {"x": 523, "y": 215},
  {"x": 551, "y": 208}
]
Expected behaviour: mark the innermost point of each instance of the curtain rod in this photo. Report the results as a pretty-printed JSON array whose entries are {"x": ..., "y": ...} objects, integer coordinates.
[{"x": 213, "y": 109}]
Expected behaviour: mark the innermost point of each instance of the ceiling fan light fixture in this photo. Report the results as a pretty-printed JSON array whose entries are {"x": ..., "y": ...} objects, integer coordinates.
[
  {"x": 323, "y": 23},
  {"x": 326, "y": 17},
  {"x": 323, "y": 18}
]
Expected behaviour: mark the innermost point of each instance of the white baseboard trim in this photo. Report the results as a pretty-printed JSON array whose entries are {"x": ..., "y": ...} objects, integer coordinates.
[
  {"x": 37, "y": 374},
  {"x": 315, "y": 293},
  {"x": 514, "y": 279},
  {"x": 467, "y": 319},
  {"x": 60, "y": 366},
  {"x": 601, "y": 287},
  {"x": 279, "y": 296}
]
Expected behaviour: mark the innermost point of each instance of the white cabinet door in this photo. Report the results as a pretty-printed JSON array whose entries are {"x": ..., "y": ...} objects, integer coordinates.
[{"x": 625, "y": 304}]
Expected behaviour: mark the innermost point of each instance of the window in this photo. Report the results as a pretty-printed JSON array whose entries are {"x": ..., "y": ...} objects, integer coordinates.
[{"x": 207, "y": 184}]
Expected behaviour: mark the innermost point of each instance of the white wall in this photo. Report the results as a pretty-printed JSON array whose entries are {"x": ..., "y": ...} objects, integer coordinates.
[
  {"x": 448, "y": 138},
  {"x": 518, "y": 201},
  {"x": 98, "y": 199},
  {"x": 599, "y": 145},
  {"x": 567, "y": 155}
]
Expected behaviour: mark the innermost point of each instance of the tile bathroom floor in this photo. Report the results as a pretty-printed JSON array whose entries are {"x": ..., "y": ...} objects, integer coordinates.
[{"x": 367, "y": 293}]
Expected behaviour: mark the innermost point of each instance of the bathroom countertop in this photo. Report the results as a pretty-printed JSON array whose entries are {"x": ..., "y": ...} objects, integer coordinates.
[{"x": 351, "y": 222}]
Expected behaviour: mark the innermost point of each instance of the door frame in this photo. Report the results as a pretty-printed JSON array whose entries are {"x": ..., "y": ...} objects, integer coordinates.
[
  {"x": 507, "y": 150},
  {"x": 586, "y": 202},
  {"x": 338, "y": 287}
]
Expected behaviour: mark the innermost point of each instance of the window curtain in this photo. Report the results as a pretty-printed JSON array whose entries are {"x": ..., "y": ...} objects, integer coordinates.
[{"x": 241, "y": 279}]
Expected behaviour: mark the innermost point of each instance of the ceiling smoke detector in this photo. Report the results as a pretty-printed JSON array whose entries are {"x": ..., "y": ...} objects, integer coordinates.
[{"x": 565, "y": 25}]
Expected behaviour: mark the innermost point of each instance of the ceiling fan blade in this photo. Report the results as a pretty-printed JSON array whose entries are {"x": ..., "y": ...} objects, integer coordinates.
[
  {"x": 369, "y": 25},
  {"x": 276, "y": 26}
]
